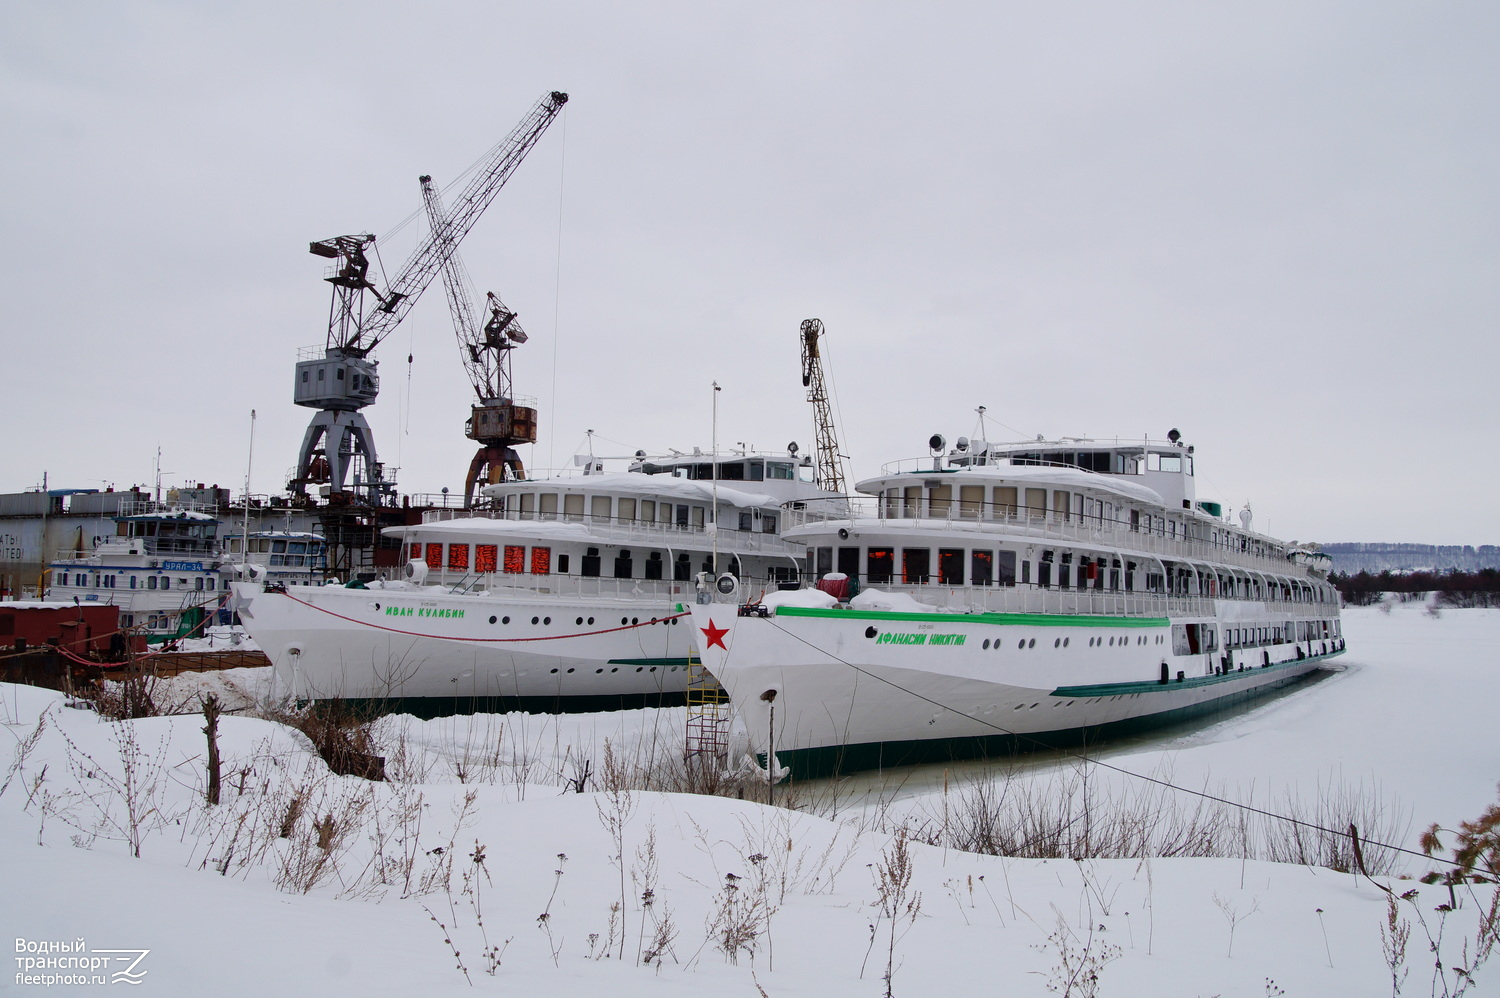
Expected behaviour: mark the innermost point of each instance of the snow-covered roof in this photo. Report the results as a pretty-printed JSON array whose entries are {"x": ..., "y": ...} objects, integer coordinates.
[
  {"x": 37, "y": 604},
  {"x": 1023, "y": 474},
  {"x": 634, "y": 484}
]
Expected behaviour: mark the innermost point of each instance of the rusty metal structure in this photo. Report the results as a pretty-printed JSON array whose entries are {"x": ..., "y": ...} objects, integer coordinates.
[
  {"x": 498, "y": 421},
  {"x": 828, "y": 470},
  {"x": 342, "y": 378}
]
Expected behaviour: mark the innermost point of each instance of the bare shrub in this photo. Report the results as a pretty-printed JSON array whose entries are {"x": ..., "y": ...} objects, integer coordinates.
[
  {"x": 1080, "y": 961},
  {"x": 341, "y": 734}
]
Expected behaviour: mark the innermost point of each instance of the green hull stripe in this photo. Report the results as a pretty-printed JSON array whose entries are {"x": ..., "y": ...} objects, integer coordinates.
[
  {"x": 1156, "y": 686},
  {"x": 1027, "y": 619},
  {"x": 650, "y": 661}
]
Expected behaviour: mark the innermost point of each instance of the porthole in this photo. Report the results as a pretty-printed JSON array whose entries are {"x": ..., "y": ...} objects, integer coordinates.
[
  {"x": 579, "y": 621},
  {"x": 615, "y": 669},
  {"x": 570, "y": 670},
  {"x": 870, "y": 632},
  {"x": 635, "y": 620},
  {"x": 1021, "y": 643},
  {"x": 504, "y": 620},
  {"x": 493, "y": 619},
  {"x": 546, "y": 620},
  {"x": 624, "y": 621},
  {"x": 554, "y": 671},
  {"x": 599, "y": 670},
  {"x": 1111, "y": 642},
  {"x": 591, "y": 620},
  {"x": 639, "y": 668},
  {"x": 1031, "y": 643},
  {"x": 535, "y": 619},
  {"x": 1065, "y": 642},
  {"x": 653, "y": 668},
  {"x": 1057, "y": 642},
  {"x": 986, "y": 644}
]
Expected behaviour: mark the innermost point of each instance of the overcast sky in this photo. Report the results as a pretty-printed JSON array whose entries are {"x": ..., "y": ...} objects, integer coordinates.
[{"x": 1272, "y": 225}]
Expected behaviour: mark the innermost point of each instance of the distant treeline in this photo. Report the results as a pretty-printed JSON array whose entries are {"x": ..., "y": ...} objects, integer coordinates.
[
  {"x": 1481, "y": 588},
  {"x": 1385, "y": 556}
]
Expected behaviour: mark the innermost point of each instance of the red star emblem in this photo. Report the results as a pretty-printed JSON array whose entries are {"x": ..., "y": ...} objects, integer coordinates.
[{"x": 715, "y": 635}]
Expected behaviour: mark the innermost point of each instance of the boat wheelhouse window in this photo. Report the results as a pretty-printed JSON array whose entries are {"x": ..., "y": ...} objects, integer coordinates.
[
  {"x": 1062, "y": 506},
  {"x": 546, "y": 505},
  {"x": 734, "y": 471},
  {"x": 1036, "y": 502},
  {"x": 198, "y": 586},
  {"x": 572, "y": 507},
  {"x": 626, "y": 509},
  {"x": 941, "y": 499},
  {"x": 320, "y": 374},
  {"x": 1025, "y": 573},
  {"x": 698, "y": 517},
  {"x": 682, "y": 568},
  {"x": 1065, "y": 570},
  {"x": 745, "y": 519},
  {"x": 757, "y": 470},
  {"x": 891, "y": 504},
  {"x": 913, "y": 504},
  {"x": 486, "y": 557},
  {"x": 664, "y": 513},
  {"x": 653, "y": 565},
  {"x": 341, "y": 374},
  {"x": 599, "y": 508},
  {"x": 589, "y": 563},
  {"x": 648, "y": 510},
  {"x": 1171, "y": 462},
  {"x": 880, "y": 565},
  {"x": 562, "y": 564},
  {"x": 824, "y": 561},
  {"x": 150, "y": 582},
  {"x": 1044, "y": 569},
  {"x": 951, "y": 566},
  {"x": 970, "y": 501},
  {"x": 682, "y": 515},
  {"x": 1005, "y": 501},
  {"x": 848, "y": 562},
  {"x": 166, "y": 582},
  {"x": 768, "y": 523},
  {"x": 915, "y": 566},
  {"x": 528, "y": 504},
  {"x": 780, "y": 470},
  {"x": 624, "y": 566}
]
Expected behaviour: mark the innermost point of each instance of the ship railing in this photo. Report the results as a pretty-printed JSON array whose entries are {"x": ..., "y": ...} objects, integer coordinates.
[
  {"x": 583, "y": 587},
  {"x": 1089, "y": 602},
  {"x": 616, "y": 529},
  {"x": 1111, "y": 535},
  {"x": 151, "y": 507}
]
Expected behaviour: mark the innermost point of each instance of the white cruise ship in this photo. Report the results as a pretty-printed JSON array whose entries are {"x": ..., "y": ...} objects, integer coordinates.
[
  {"x": 997, "y": 591},
  {"x": 564, "y": 595}
]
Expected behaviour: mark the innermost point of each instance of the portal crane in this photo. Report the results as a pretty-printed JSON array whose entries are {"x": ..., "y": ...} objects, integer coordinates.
[
  {"x": 828, "y": 470},
  {"x": 498, "y": 423},
  {"x": 343, "y": 379}
]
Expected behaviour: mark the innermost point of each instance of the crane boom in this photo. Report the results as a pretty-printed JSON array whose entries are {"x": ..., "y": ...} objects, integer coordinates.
[
  {"x": 828, "y": 470},
  {"x": 423, "y": 264},
  {"x": 497, "y": 422},
  {"x": 343, "y": 380}
]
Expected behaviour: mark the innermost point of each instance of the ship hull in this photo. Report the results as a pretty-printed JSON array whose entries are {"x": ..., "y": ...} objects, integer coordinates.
[
  {"x": 867, "y": 688},
  {"x": 485, "y": 650}
]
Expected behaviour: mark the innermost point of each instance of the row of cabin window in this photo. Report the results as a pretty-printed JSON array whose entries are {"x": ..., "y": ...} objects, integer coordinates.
[
  {"x": 986, "y": 567},
  {"x": 1006, "y": 501},
  {"x": 543, "y": 505},
  {"x": 81, "y": 580},
  {"x": 511, "y": 559},
  {"x": 158, "y": 528},
  {"x": 266, "y": 545}
]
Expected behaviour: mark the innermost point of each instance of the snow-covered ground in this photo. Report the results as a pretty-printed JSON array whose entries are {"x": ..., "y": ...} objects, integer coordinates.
[{"x": 227, "y": 905}]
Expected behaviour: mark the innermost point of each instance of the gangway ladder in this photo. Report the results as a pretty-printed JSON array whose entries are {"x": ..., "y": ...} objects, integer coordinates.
[{"x": 707, "y": 714}]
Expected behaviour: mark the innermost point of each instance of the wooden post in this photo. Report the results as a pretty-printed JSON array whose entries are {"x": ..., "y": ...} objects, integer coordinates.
[{"x": 211, "y": 711}]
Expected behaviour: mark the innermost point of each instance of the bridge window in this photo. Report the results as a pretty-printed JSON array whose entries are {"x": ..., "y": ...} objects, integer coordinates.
[
  {"x": 626, "y": 509},
  {"x": 880, "y": 565}
]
